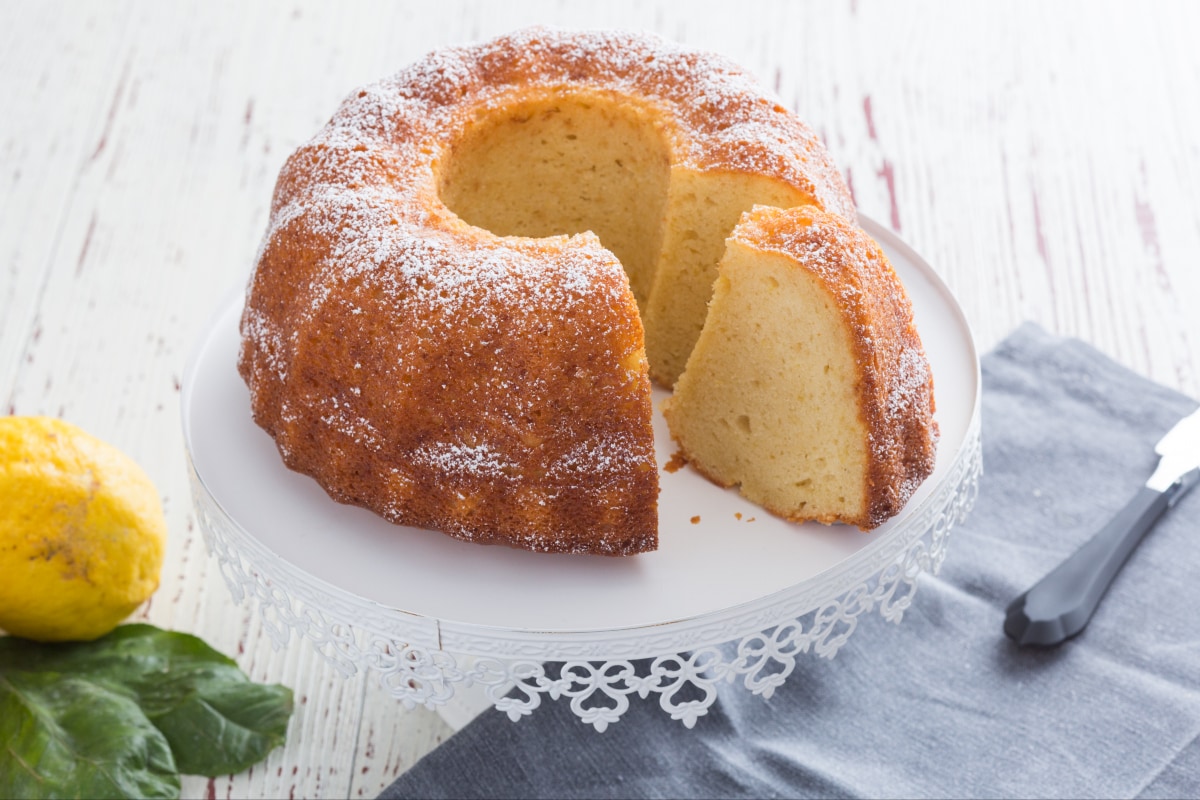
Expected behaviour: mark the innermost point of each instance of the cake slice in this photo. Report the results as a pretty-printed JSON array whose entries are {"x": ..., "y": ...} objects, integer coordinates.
[{"x": 808, "y": 387}]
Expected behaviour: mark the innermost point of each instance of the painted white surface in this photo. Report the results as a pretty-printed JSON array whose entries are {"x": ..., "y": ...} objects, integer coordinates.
[{"x": 1044, "y": 158}]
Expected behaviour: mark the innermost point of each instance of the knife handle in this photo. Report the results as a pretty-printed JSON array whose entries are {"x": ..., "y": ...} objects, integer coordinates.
[{"x": 1060, "y": 604}]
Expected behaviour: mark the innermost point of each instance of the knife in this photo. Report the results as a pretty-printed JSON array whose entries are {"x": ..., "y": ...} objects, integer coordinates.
[{"x": 1060, "y": 604}]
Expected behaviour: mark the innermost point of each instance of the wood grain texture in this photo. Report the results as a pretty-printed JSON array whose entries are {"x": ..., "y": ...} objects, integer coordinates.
[{"x": 1044, "y": 158}]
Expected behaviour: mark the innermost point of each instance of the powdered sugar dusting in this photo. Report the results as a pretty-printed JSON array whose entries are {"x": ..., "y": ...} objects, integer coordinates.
[
  {"x": 908, "y": 382},
  {"x": 341, "y": 416},
  {"x": 481, "y": 461},
  {"x": 600, "y": 456},
  {"x": 357, "y": 232}
]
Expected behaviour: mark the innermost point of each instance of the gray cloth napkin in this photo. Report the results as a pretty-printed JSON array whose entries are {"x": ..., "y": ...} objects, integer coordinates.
[{"x": 941, "y": 705}]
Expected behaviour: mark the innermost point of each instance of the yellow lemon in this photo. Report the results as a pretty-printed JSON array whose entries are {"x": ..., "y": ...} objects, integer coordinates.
[{"x": 82, "y": 532}]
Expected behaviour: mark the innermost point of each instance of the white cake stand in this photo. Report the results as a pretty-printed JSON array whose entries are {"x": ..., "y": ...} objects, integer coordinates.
[{"x": 732, "y": 595}]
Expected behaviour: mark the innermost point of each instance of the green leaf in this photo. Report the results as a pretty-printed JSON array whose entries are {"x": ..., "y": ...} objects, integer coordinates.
[
  {"x": 159, "y": 687},
  {"x": 68, "y": 737}
]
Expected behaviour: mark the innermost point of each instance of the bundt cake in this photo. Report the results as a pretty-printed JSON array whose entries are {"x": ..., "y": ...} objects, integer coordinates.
[
  {"x": 443, "y": 322},
  {"x": 808, "y": 387}
]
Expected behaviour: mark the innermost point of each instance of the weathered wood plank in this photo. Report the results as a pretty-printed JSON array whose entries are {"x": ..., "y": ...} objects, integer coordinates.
[{"x": 1045, "y": 158}]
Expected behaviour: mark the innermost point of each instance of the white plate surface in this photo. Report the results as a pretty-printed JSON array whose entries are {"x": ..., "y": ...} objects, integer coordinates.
[{"x": 720, "y": 563}]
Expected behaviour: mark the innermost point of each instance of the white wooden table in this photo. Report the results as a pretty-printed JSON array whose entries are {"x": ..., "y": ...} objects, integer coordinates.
[{"x": 1045, "y": 158}]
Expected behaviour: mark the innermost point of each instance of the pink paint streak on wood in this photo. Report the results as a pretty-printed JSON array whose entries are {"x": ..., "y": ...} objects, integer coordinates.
[
  {"x": 369, "y": 748},
  {"x": 247, "y": 120},
  {"x": 1012, "y": 229},
  {"x": 112, "y": 109},
  {"x": 1043, "y": 251},
  {"x": 888, "y": 173},
  {"x": 1039, "y": 233},
  {"x": 869, "y": 114},
  {"x": 1148, "y": 228},
  {"x": 87, "y": 241},
  {"x": 1146, "y": 225},
  {"x": 1083, "y": 273}
]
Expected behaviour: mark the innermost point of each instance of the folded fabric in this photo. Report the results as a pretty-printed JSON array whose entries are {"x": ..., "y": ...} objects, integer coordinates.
[{"x": 943, "y": 704}]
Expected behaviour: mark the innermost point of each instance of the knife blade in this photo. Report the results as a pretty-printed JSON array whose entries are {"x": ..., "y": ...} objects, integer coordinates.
[{"x": 1060, "y": 605}]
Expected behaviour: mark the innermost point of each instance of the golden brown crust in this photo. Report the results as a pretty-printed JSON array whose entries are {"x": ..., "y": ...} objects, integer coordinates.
[
  {"x": 424, "y": 411},
  {"x": 492, "y": 388},
  {"x": 895, "y": 386}
]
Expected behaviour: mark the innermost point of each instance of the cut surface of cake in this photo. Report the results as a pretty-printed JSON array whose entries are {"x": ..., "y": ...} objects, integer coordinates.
[{"x": 808, "y": 389}]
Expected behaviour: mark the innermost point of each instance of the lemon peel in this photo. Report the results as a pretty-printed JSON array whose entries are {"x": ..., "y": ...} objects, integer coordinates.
[{"x": 82, "y": 532}]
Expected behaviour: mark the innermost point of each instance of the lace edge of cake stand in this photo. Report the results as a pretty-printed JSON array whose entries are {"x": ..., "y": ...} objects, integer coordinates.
[{"x": 411, "y": 663}]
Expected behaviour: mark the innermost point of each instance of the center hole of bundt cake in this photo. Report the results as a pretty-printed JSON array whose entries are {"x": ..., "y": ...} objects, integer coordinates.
[{"x": 563, "y": 165}]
